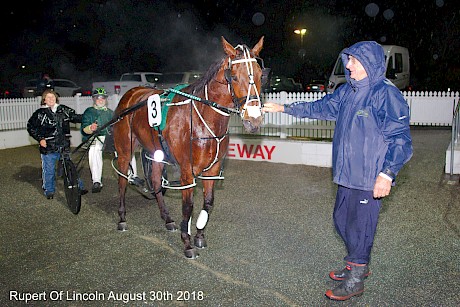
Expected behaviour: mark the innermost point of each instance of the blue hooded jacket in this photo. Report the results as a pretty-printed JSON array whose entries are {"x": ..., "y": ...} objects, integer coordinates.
[{"x": 372, "y": 132}]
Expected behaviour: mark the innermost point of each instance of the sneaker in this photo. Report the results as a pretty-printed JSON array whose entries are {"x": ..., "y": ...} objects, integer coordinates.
[
  {"x": 49, "y": 195},
  {"x": 83, "y": 191},
  {"x": 97, "y": 187}
]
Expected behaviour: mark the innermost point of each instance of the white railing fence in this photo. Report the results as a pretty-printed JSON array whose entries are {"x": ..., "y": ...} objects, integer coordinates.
[
  {"x": 15, "y": 112},
  {"x": 427, "y": 109}
]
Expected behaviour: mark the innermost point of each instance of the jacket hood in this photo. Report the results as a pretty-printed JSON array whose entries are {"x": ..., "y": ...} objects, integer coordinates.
[{"x": 371, "y": 55}]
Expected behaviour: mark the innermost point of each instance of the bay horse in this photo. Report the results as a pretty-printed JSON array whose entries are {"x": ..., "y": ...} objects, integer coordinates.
[{"x": 195, "y": 136}]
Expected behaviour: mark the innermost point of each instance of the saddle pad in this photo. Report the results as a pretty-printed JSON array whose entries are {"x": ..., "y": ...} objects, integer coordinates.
[{"x": 165, "y": 99}]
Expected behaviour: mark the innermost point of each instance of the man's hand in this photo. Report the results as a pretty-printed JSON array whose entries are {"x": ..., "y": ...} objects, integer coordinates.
[
  {"x": 382, "y": 187},
  {"x": 272, "y": 107},
  {"x": 93, "y": 127},
  {"x": 43, "y": 143}
]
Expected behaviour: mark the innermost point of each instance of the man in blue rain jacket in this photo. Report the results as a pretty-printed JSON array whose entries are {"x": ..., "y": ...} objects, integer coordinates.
[{"x": 371, "y": 144}]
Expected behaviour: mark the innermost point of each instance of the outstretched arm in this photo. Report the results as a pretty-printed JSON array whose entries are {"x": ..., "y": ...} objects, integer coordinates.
[{"x": 271, "y": 107}]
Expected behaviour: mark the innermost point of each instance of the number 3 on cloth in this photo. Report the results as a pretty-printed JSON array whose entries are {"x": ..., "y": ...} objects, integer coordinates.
[{"x": 154, "y": 110}]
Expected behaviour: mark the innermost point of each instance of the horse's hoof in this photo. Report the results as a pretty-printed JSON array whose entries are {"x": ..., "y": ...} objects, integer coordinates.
[
  {"x": 171, "y": 226},
  {"x": 122, "y": 226},
  {"x": 200, "y": 242},
  {"x": 191, "y": 253}
]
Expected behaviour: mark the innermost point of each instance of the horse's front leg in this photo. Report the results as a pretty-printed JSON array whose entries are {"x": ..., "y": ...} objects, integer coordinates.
[
  {"x": 187, "y": 210},
  {"x": 208, "y": 194}
]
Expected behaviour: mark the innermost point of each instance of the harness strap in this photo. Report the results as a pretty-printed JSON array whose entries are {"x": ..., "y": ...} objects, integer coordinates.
[
  {"x": 218, "y": 140},
  {"x": 165, "y": 184},
  {"x": 215, "y": 109},
  {"x": 205, "y": 101}
]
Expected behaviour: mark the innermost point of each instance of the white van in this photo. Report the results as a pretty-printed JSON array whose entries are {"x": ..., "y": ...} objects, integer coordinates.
[{"x": 397, "y": 63}]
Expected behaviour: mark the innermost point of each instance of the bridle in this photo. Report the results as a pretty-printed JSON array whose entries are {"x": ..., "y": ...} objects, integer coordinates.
[
  {"x": 237, "y": 102},
  {"x": 243, "y": 102}
]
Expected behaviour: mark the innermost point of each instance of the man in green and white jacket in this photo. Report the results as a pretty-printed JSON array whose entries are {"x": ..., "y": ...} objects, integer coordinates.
[{"x": 93, "y": 117}]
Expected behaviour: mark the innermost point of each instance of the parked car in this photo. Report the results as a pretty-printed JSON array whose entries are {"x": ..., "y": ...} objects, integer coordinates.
[
  {"x": 83, "y": 91},
  {"x": 9, "y": 91},
  {"x": 316, "y": 86},
  {"x": 282, "y": 83},
  {"x": 63, "y": 87}
]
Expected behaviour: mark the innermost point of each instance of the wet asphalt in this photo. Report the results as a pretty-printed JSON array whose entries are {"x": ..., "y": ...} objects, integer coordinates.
[{"x": 271, "y": 241}]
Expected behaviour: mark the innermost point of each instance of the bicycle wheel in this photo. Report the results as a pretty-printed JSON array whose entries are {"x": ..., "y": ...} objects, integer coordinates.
[{"x": 71, "y": 188}]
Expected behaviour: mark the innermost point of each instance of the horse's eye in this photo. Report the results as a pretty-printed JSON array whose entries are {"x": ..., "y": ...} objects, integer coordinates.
[{"x": 235, "y": 78}]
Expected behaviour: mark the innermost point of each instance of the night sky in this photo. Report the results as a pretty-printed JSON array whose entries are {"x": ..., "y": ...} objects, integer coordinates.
[{"x": 88, "y": 41}]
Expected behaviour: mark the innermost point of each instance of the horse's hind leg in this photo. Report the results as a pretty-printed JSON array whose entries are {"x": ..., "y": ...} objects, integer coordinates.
[
  {"x": 159, "y": 195},
  {"x": 208, "y": 194},
  {"x": 123, "y": 165},
  {"x": 153, "y": 172}
]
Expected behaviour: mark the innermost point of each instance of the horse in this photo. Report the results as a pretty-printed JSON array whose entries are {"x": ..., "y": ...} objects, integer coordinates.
[{"x": 194, "y": 137}]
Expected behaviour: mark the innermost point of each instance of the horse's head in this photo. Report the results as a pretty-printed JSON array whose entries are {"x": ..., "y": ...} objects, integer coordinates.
[{"x": 244, "y": 77}]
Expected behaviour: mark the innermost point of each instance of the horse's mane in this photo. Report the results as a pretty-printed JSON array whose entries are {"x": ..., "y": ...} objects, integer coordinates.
[
  {"x": 210, "y": 74},
  {"x": 199, "y": 85}
]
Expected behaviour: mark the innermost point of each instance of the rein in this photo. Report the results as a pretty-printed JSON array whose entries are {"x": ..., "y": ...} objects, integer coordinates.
[
  {"x": 113, "y": 121},
  {"x": 142, "y": 103},
  {"x": 223, "y": 110},
  {"x": 205, "y": 101}
]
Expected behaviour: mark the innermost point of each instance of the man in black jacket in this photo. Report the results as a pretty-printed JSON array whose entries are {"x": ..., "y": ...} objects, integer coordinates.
[{"x": 49, "y": 125}]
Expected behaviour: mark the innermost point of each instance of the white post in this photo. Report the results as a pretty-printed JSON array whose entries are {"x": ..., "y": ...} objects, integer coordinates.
[
  {"x": 283, "y": 134},
  {"x": 78, "y": 104}
]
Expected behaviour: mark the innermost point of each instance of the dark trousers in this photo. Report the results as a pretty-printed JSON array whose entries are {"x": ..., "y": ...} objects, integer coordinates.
[{"x": 356, "y": 215}]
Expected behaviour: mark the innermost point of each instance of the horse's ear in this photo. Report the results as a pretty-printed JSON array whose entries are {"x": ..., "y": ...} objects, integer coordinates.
[
  {"x": 258, "y": 47},
  {"x": 229, "y": 50}
]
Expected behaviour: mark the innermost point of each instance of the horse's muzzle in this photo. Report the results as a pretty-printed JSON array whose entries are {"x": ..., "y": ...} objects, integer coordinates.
[{"x": 252, "y": 124}]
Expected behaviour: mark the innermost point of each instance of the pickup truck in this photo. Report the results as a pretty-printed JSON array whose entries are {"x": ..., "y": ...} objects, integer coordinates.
[
  {"x": 152, "y": 79},
  {"x": 128, "y": 81}
]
